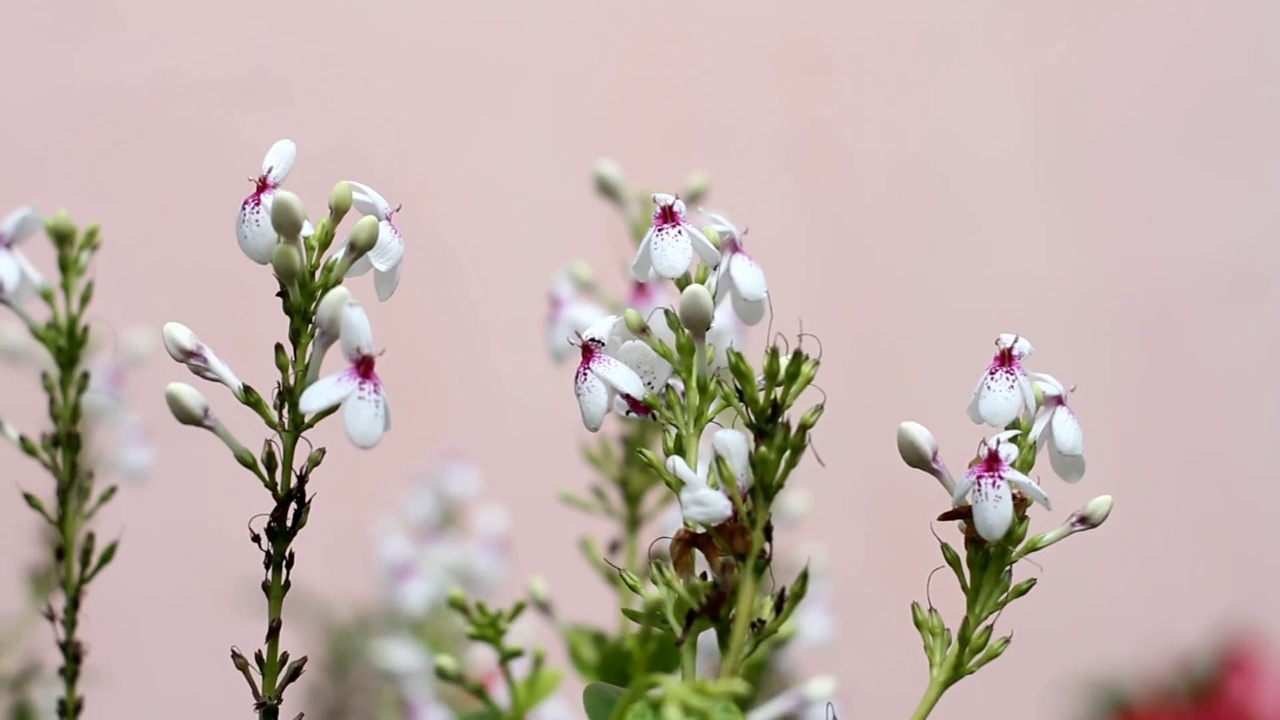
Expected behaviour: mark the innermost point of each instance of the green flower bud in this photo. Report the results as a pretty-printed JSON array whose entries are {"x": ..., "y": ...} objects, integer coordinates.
[
  {"x": 340, "y": 201},
  {"x": 287, "y": 215},
  {"x": 697, "y": 309},
  {"x": 286, "y": 260},
  {"x": 363, "y": 237},
  {"x": 635, "y": 322}
]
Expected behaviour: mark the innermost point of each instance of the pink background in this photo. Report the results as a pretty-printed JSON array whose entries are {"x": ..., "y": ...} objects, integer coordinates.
[{"x": 1101, "y": 177}]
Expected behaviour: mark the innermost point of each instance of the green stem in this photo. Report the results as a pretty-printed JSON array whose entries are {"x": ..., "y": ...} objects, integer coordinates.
[
  {"x": 741, "y": 618},
  {"x": 513, "y": 690},
  {"x": 938, "y": 685},
  {"x": 689, "y": 659}
]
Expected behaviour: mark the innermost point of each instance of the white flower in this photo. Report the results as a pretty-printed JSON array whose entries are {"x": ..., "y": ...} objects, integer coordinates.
[
  {"x": 357, "y": 388},
  {"x": 988, "y": 479},
  {"x": 649, "y": 297},
  {"x": 1004, "y": 389},
  {"x": 117, "y": 435},
  {"x": 414, "y": 585},
  {"x": 19, "y": 279},
  {"x": 725, "y": 333},
  {"x": 388, "y": 252},
  {"x": 653, "y": 371},
  {"x": 569, "y": 316},
  {"x": 1066, "y": 441},
  {"x": 400, "y": 656},
  {"x": 815, "y": 693},
  {"x": 700, "y": 503},
  {"x": 735, "y": 447},
  {"x": 183, "y": 346},
  {"x": 601, "y": 377},
  {"x": 254, "y": 232},
  {"x": 668, "y": 247},
  {"x": 739, "y": 275}
]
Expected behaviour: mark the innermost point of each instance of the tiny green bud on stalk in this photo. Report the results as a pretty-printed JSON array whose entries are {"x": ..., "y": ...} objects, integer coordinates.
[
  {"x": 287, "y": 215},
  {"x": 340, "y": 201},
  {"x": 447, "y": 668},
  {"x": 635, "y": 323},
  {"x": 581, "y": 275},
  {"x": 696, "y": 187},
  {"x": 609, "y": 180},
  {"x": 286, "y": 261},
  {"x": 363, "y": 236},
  {"x": 712, "y": 235},
  {"x": 61, "y": 229}
]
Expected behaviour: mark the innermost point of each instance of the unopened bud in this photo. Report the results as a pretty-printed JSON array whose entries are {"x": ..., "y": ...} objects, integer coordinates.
[
  {"x": 340, "y": 201},
  {"x": 287, "y": 215},
  {"x": 329, "y": 312},
  {"x": 635, "y": 322},
  {"x": 580, "y": 275},
  {"x": 60, "y": 228},
  {"x": 187, "y": 405},
  {"x": 609, "y": 180},
  {"x": 697, "y": 309},
  {"x": 919, "y": 450},
  {"x": 820, "y": 688},
  {"x": 1093, "y": 514},
  {"x": 180, "y": 341},
  {"x": 447, "y": 667},
  {"x": 363, "y": 236},
  {"x": 539, "y": 591},
  {"x": 286, "y": 260},
  {"x": 712, "y": 235},
  {"x": 696, "y": 187}
]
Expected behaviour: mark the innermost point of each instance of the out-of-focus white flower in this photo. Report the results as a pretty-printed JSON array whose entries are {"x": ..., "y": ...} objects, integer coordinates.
[
  {"x": 388, "y": 252},
  {"x": 118, "y": 441},
  {"x": 739, "y": 276},
  {"x": 988, "y": 481},
  {"x": 726, "y": 332},
  {"x": 1004, "y": 390},
  {"x": 254, "y": 232},
  {"x": 669, "y": 245},
  {"x": 1066, "y": 441},
  {"x": 816, "y": 692},
  {"x": 19, "y": 279},
  {"x": 570, "y": 314},
  {"x": 357, "y": 388}
]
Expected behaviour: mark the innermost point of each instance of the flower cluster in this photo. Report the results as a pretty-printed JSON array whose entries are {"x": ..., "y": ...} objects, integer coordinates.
[
  {"x": 310, "y": 265},
  {"x": 1030, "y": 412}
]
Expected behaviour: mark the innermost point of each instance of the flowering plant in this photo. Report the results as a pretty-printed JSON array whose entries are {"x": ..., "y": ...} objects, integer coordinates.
[{"x": 697, "y": 471}]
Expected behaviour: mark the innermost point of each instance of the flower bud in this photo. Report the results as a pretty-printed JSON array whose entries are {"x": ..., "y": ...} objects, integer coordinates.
[
  {"x": 917, "y": 446},
  {"x": 581, "y": 276},
  {"x": 180, "y": 341},
  {"x": 696, "y": 187},
  {"x": 609, "y": 180},
  {"x": 340, "y": 201},
  {"x": 60, "y": 228},
  {"x": 635, "y": 323},
  {"x": 363, "y": 236},
  {"x": 447, "y": 667},
  {"x": 287, "y": 215},
  {"x": 329, "y": 312},
  {"x": 697, "y": 309},
  {"x": 712, "y": 235},
  {"x": 187, "y": 405},
  {"x": 539, "y": 591},
  {"x": 286, "y": 260},
  {"x": 1093, "y": 514}
]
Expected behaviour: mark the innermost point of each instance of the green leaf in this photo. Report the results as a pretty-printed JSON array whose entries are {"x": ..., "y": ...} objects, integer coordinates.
[
  {"x": 104, "y": 559},
  {"x": 34, "y": 503},
  {"x": 641, "y": 711},
  {"x": 586, "y": 647},
  {"x": 539, "y": 687},
  {"x": 599, "y": 699},
  {"x": 483, "y": 714},
  {"x": 725, "y": 710}
]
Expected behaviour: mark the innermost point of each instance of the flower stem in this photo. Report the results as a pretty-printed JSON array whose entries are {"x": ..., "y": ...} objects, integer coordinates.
[
  {"x": 939, "y": 682},
  {"x": 689, "y": 659}
]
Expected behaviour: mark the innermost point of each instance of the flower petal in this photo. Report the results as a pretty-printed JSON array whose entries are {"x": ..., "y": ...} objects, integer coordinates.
[
  {"x": 356, "y": 334},
  {"x": 1048, "y": 384},
  {"x": 19, "y": 225},
  {"x": 1070, "y": 468},
  {"x": 616, "y": 375},
  {"x": 641, "y": 266},
  {"x": 999, "y": 399},
  {"x": 670, "y": 251},
  {"x": 992, "y": 509},
  {"x": 327, "y": 392},
  {"x": 735, "y": 447},
  {"x": 365, "y": 413},
  {"x": 704, "y": 505},
  {"x": 1065, "y": 428},
  {"x": 1043, "y": 416},
  {"x": 253, "y": 228},
  {"x": 360, "y": 267},
  {"x": 648, "y": 364},
  {"x": 1021, "y": 346},
  {"x": 367, "y": 201},
  {"x": 602, "y": 330},
  {"x": 974, "y": 415},
  {"x": 278, "y": 161},
  {"x": 701, "y": 245},
  {"x": 1028, "y": 487},
  {"x": 679, "y": 467},
  {"x": 963, "y": 487},
  {"x": 386, "y": 282},
  {"x": 389, "y": 250},
  {"x": 593, "y": 398},
  {"x": 748, "y": 278},
  {"x": 751, "y": 312},
  {"x": 10, "y": 272}
]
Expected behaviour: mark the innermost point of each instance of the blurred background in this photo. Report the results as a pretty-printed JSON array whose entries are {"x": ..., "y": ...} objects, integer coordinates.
[{"x": 1101, "y": 177}]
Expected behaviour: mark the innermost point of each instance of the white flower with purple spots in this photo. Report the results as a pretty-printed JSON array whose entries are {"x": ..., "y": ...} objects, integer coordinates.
[
  {"x": 600, "y": 377},
  {"x": 388, "y": 253},
  {"x": 987, "y": 483},
  {"x": 738, "y": 275},
  {"x": 668, "y": 247},
  {"x": 254, "y": 232},
  {"x": 1004, "y": 390},
  {"x": 1065, "y": 442},
  {"x": 357, "y": 388}
]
